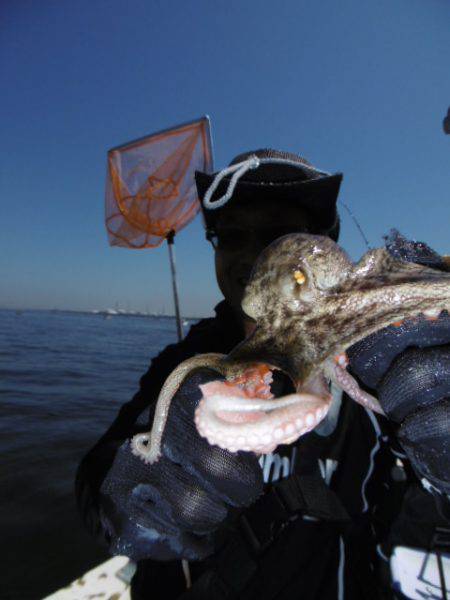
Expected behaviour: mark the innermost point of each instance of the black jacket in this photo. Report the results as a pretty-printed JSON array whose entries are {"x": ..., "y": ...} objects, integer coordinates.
[{"x": 309, "y": 557}]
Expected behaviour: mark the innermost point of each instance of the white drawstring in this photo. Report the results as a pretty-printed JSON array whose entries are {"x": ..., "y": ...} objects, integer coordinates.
[
  {"x": 238, "y": 169},
  {"x": 253, "y": 162}
]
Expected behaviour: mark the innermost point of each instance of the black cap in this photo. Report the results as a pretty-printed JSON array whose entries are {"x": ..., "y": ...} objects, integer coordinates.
[{"x": 297, "y": 181}]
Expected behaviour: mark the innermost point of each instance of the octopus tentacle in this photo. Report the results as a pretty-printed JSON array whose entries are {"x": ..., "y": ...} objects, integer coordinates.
[
  {"x": 147, "y": 445},
  {"x": 348, "y": 384},
  {"x": 279, "y": 421}
]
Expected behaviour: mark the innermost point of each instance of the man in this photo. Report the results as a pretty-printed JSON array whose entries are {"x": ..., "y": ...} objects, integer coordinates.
[{"x": 308, "y": 520}]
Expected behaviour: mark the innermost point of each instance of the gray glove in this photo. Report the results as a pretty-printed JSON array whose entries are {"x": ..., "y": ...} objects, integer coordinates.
[
  {"x": 173, "y": 508},
  {"x": 409, "y": 368}
]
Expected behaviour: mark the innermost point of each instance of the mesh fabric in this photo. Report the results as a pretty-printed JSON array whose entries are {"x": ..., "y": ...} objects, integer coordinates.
[
  {"x": 417, "y": 379},
  {"x": 176, "y": 504},
  {"x": 371, "y": 357},
  {"x": 411, "y": 251},
  {"x": 424, "y": 437},
  {"x": 150, "y": 187}
]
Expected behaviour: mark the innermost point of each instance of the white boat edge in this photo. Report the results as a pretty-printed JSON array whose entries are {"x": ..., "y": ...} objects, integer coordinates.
[{"x": 109, "y": 579}]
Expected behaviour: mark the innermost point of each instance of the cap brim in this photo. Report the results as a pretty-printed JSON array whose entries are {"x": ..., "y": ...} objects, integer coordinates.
[{"x": 318, "y": 196}]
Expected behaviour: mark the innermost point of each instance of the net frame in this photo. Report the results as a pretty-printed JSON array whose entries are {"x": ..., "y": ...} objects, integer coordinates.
[{"x": 172, "y": 193}]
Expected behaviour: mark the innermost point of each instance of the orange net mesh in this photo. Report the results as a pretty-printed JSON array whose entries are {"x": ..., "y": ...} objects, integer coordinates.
[{"x": 150, "y": 186}]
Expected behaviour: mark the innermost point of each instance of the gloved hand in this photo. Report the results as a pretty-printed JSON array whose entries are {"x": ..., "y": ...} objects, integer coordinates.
[
  {"x": 171, "y": 509},
  {"x": 409, "y": 368}
]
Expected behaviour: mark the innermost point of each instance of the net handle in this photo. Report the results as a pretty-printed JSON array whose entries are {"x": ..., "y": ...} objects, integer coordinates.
[{"x": 170, "y": 241}]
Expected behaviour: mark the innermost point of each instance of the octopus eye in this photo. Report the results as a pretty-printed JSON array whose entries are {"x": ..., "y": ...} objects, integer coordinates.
[{"x": 299, "y": 277}]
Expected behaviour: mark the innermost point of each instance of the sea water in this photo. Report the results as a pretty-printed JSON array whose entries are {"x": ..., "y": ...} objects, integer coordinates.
[{"x": 63, "y": 378}]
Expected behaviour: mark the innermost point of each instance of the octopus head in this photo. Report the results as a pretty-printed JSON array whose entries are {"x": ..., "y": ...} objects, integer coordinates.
[{"x": 295, "y": 270}]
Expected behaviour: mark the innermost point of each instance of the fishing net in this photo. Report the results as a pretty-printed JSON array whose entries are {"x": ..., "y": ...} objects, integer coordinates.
[{"x": 150, "y": 186}]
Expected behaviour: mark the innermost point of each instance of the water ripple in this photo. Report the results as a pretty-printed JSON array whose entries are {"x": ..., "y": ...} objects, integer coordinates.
[{"x": 63, "y": 378}]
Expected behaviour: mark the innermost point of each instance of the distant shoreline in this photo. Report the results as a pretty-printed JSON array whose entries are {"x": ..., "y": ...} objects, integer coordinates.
[{"x": 103, "y": 313}]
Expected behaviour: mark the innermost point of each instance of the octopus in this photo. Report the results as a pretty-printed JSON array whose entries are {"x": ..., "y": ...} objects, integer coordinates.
[{"x": 309, "y": 303}]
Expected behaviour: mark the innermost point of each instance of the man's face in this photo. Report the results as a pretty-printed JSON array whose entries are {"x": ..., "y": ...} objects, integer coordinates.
[{"x": 242, "y": 233}]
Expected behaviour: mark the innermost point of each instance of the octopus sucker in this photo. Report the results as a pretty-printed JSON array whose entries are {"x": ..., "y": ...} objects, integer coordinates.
[
  {"x": 285, "y": 427},
  {"x": 310, "y": 303}
]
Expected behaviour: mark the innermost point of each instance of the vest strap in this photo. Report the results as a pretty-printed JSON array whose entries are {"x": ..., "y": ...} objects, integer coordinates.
[
  {"x": 309, "y": 495},
  {"x": 260, "y": 525}
]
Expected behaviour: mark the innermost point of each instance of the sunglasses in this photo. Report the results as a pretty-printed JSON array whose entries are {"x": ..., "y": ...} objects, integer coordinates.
[{"x": 235, "y": 238}]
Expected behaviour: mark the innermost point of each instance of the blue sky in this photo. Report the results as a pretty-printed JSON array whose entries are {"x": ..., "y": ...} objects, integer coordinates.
[{"x": 356, "y": 86}]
